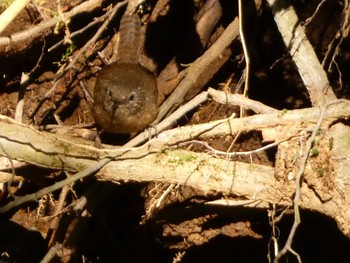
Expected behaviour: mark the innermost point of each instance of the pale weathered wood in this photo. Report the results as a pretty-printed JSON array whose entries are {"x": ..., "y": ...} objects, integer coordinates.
[
  {"x": 22, "y": 40},
  {"x": 11, "y": 12},
  {"x": 303, "y": 54},
  {"x": 25, "y": 143},
  {"x": 202, "y": 171}
]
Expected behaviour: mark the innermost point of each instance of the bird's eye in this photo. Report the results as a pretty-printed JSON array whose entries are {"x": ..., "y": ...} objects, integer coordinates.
[{"x": 131, "y": 97}]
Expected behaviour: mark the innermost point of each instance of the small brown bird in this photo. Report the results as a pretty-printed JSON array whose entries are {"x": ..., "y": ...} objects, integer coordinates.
[{"x": 125, "y": 94}]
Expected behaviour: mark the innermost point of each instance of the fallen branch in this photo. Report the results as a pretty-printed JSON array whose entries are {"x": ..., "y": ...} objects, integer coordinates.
[
  {"x": 319, "y": 89},
  {"x": 24, "y": 143},
  {"x": 297, "y": 120},
  {"x": 44, "y": 191},
  {"x": 298, "y": 182},
  {"x": 24, "y": 39},
  {"x": 207, "y": 19},
  {"x": 201, "y": 70},
  {"x": 240, "y": 100},
  {"x": 151, "y": 163},
  {"x": 303, "y": 54}
]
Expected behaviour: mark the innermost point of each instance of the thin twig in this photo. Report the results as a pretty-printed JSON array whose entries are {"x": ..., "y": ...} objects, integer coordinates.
[
  {"x": 245, "y": 48},
  {"x": 240, "y": 100},
  {"x": 298, "y": 182},
  {"x": 202, "y": 97},
  {"x": 20, "y": 41},
  {"x": 53, "y": 251},
  {"x": 81, "y": 51},
  {"x": 166, "y": 123},
  {"x": 12, "y": 169},
  {"x": 308, "y": 20},
  {"x": 51, "y": 236},
  {"x": 78, "y": 55},
  {"x": 164, "y": 195},
  {"x": 230, "y": 154},
  {"x": 34, "y": 196},
  {"x": 80, "y": 31}
]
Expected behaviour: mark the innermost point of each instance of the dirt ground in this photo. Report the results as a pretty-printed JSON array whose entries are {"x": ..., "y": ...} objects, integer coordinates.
[{"x": 124, "y": 226}]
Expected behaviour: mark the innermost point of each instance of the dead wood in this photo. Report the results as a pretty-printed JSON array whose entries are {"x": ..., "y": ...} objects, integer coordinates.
[
  {"x": 302, "y": 52},
  {"x": 320, "y": 93},
  {"x": 322, "y": 183},
  {"x": 44, "y": 149},
  {"x": 22, "y": 40},
  {"x": 207, "y": 19},
  {"x": 201, "y": 171},
  {"x": 202, "y": 70}
]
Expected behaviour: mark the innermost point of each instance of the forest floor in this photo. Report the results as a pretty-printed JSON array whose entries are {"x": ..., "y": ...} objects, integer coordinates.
[{"x": 129, "y": 225}]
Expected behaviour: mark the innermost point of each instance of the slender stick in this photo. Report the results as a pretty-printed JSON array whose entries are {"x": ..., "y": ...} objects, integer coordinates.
[{"x": 11, "y": 12}]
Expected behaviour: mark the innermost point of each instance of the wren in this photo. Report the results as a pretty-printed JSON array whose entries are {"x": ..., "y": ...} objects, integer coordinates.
[{"x": 125, "y": 94}]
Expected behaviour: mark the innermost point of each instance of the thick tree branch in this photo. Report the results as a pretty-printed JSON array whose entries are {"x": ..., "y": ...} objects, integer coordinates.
[
  {"x": 24, "y": 143},
  {"x": 202, "y": 70},
  {"x": 152, "y": 162},
  {"x": 303, "y": 54}
]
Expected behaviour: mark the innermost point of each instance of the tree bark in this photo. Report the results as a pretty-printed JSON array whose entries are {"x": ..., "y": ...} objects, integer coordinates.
[{"x": 156, "y": 161}]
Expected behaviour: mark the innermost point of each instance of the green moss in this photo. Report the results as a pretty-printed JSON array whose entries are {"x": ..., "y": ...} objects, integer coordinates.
[
  {"x": 69, "y": 51},
  {"x": 162, "y": 152},
  {"x": 321, "y": 172},
  {"x": 182, "y": 157},
  {"x": 330, "y": 143},
  {"x": 5, "y": 3},
  {"x": 314, "y": 152},
  {"x": 282, "y": 112},
  {"x": 345, "y": 141}
]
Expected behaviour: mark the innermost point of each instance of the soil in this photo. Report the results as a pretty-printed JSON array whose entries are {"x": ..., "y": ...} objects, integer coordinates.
[{"x": 125, "y": 226}]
